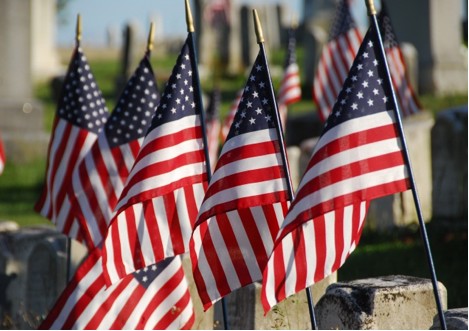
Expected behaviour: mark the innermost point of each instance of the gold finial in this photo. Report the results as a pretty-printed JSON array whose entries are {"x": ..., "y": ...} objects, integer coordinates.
[
  {"x": 370, "y": 5},
  {"x": 189, "y": 20},
  {"x": 78, "y": 29},
  {"x": 257, "y": 24},
  {"x": 151, "y": 36}
]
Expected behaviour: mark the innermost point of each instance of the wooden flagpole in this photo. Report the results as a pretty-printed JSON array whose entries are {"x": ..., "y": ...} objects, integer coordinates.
[
  {"x": 151, "y": 36},
  {"x": 190, "y": 30},
  {"x": 423, "y": 231},
  {"x": 283, "y": 153}
]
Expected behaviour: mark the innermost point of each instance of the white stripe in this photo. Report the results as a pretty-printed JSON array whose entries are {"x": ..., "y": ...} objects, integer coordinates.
[
  {"x": 126, "y": 251},
  {"x": 261, "y": 223},
  {"x": 268, "y": 286},
  {"x": 171, "y": 127},
  {"x": 128, "y": 154},
  {"x": 347, "y": 232},
  {"x": 162, "y": 224},
  {"x": 329, "y": 221},
  {"x": 183, "y": 216},
  {"x": 183, "y": 317},
  {"x": 290, "y": 267},
  {"x": 110, "y": 266},
  {"x": 309, "y": 236},
  {"x": 343, "y": 68}
]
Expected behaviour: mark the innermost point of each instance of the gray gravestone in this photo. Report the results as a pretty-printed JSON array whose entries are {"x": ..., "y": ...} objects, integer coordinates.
[
  {"x": 434, "y": 28},
  {"x": 389, "y": 302},
  {"x": 456, "y": 319},
  {"x": 449, "y": 164},
  {"x": 21, "y": 116},
  {"x": 127, "y": 56}
]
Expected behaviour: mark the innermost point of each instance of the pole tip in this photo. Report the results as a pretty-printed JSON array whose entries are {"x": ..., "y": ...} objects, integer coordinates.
[
  {"x": 258, "y": 27},
  {"x": 151, "y": 36},
  {"x": 370, "y": 5},
  {"x": 189, "y": 20},
  {"x": 78, "y": 30}
]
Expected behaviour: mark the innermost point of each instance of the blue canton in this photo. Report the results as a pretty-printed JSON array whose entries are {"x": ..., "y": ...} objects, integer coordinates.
[
  {"x": 132, "y": 116},
  {"x": 82, "y": 103},
  {"x": 366, "y": 89},
  {"x": 148, "y": 274},
  {"x": 256, "y": 107}
]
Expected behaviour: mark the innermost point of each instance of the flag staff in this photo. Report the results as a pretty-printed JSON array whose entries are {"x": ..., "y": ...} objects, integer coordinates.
[
  {"x": 78, "y": 31},
  {"x": 260, "y": 41},
  {"x": 151, "y": 36},
  {"x": 191, "y": 30},
  {"x": 372, "y": 13}
]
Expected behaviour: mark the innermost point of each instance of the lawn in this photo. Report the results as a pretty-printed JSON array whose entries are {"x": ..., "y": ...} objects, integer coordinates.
[{"x": 377, "y": 254}]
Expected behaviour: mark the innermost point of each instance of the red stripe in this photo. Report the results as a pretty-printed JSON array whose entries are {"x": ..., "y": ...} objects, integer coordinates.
[
  {"x": 191, "y": 203},
  {"x": 149, "y": 215},
  {"x": 174, "y": 313},
  {"x": 174, "y": 225},
  {"x": 272, "y": 220},
  {"x": 189, "y": 323},
  {"x": 321, "y": 247},
  {"x": 253, "y": 234},
  {"x": 338, "y": 236},
  {"x": 233, "y": 249},
  {"x": 127, "y": 309},
  {"x": 279, "y": 274},
  {"x": 133, "y": 241},
  {"x": 300, "y": 259}
]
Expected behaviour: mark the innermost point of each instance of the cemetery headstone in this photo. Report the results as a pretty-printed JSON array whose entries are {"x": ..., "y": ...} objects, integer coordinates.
[{"x": 456, "y": 319}]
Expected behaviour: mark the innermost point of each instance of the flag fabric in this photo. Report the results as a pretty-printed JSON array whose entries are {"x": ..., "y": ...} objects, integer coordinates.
[
  {"x": 358, "y": 158},
  {"x": 290, "y": 86},
  {"x": 336, "y": 58},
  {"x": 99, "y": 179},
  {"x": 80, "y": 116},
  {"x": 156, "y": 298},
  {"x": 2, "y": 156},
  {"x": 228, "y": 121},
  {"x": 246, "y": 200},
  {"x": 213, "y": 126},
  {"x": 159, "y": 203},
  {"x": 408, "y": 101}
]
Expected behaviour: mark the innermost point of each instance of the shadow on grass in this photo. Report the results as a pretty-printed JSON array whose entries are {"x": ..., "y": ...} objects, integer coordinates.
[{"x": 404, "y": 254}]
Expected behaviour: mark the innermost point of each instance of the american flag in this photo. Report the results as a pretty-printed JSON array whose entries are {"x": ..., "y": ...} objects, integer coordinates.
[
  {"x": 80, "y": 116},
  {"x": 156, "y": 297},
  {"x": 406, "y": 96},
  {"x": 336, "y": 58},
  {"x": 290, "y": 86},
  {"x": 163, "y": 192},
  {"x": 358, "y": 158},
  {"x": 99, "y": 179},
  {"x": 2, "y": 156},
  {"x": 213, "y": 126},
  {"x": 228, "y": 121},
  {"x": 246, "y": 200}
]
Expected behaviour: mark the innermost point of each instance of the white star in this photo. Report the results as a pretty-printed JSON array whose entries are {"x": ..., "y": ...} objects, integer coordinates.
[
  {"x": 354, "y": 78},
  {"x": 178, "y": 101},
  {"x": 268, "y": 118},
  {"x": 252, "y": 78},
  {"x": 191, "y": 89},
  {"x": 173, "y": 110},
  {"x": 183, "y": 66},
  {"x": 370, "y": 44},
  {"x": 354, "y": 106},
  {"x": 237, "y": 124},
  {"x": 360, "y": 66},
  {"x": 186, "y": 56},
  {"x": 173, "y": 86},
  {"x": 255, "y": 94},
  {"x": 249, "y": 104},
  {"x": 385, "y": 99},
  {"x": 144, "y": 278},
  {"x": 168, "y": 96},
  {"x": 164, "y": 106},
  {"x": 153, "y": 267},
  {"x": 370, "y": 102},
  {"x": 337, "y": 113},
  {"x": 181, "y": 91},
  {"x": 360, "y": 95},
  {"x": 178, "y": 76},
  {"x": 375, "y": 92},
  {"x": 190, "y": 72},
  {"x": 370, "y": 73},
  {"x": 348, "y": 89},
  {"x": 342, "y": 102},
  {"x": 375, "y": 62},
  {"x": 258, "y": 111},
  {"x": 252, "y": 120},
  {"x": 246, "y": 88},
  {"x": 261, "y": 84},
  {"x": 365, "y": 55},
  {"x": 365, "y": 83},
  {"x": 265, "y": 101},
  {"x": 186, "y": 81},
  {"x": 192, "y": 104},
  {"x": 380, "y": 81},
  {"x": 258, "y": 67},
  {"x": 243, "y": 114}
]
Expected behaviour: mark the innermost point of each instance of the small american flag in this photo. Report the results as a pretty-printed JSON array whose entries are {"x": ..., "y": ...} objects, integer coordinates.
[
  {"x": 80, "y": 116},
  {"x": 408, "y": 101},
  {"x": 156, "y": 297},
  {"x": 164, "y": 189},
  {"x": 2, "y": 156},
  {"x": 246, "y": 200},
  {"x": 358, "y": 158},
  {"x": 228, "y": 121},
  {"x": 336, "y": 58},
  {"x": 290, "y": 86},
  {"x": 99, "y": 179},
  {"x": 213, "y": 126}
]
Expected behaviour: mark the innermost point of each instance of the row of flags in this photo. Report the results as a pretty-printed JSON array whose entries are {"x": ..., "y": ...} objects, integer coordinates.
[{"x": 135, "y": 187}]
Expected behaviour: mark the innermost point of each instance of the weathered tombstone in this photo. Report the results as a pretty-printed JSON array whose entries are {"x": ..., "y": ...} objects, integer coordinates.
[
  {"x": 449, "y": 164},
  {"x": 235, "y": 62},
  {"x": 389, "y": 302},
  {"x": 245, "y": 312},
  {"x": 22, "y": 116},
  {"x": 46, "y": 278},
  {"x": 434, "y": 28},
  {"x": 302, "y": 127},
  {"x": 456, "y": 319},
  {"x": 248, "y": 35},
  {"x": 411, "y": 59}
]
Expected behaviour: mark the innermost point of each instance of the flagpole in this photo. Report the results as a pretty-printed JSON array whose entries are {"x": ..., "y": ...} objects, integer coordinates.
[
  {"x": 151, "y": 36},
  {"x": 423, "y": 231},
  {"x": 191, "y": 30},
  {"x": 283, "y": 153}
]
